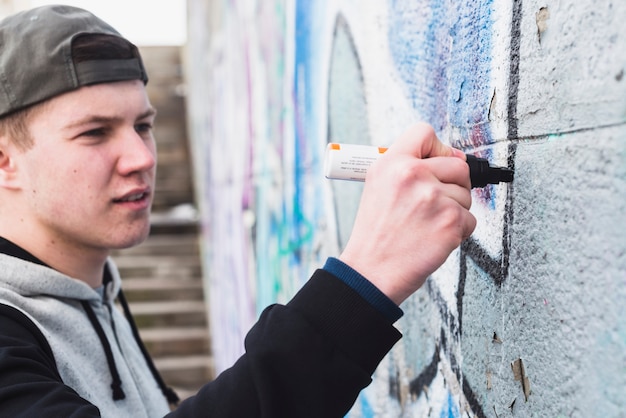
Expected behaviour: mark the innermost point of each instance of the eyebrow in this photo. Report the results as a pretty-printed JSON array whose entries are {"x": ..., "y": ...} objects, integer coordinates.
[{"x": 150, "y": 112}]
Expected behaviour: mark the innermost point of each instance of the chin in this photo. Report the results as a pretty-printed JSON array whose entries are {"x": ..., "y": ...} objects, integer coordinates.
[{"x": 133, "y": 240}]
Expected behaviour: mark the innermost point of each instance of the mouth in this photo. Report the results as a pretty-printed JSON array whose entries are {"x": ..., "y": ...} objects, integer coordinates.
[{"x": 132, "y": 197}]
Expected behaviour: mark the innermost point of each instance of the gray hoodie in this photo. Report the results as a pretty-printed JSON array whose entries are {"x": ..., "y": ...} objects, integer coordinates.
[{"x": 54, "y": 303}]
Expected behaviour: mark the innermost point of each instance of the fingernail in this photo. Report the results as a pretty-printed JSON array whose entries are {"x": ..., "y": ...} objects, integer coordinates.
[{"x": 458, "y": 153}]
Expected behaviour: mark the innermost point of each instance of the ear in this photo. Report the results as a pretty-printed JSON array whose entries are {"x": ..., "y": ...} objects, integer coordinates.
[{"x": 8, "y": 166}]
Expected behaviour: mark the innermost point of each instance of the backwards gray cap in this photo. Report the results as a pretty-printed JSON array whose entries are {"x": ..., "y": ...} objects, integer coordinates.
[{"x": 36, "y": 56}]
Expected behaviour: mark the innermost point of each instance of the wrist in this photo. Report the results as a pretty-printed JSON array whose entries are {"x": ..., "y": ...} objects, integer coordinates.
[{"x": 365, "y": 288}]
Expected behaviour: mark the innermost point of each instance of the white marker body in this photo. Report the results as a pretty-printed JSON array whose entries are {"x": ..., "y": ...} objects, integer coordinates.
[{"x": 350, "y": 161}]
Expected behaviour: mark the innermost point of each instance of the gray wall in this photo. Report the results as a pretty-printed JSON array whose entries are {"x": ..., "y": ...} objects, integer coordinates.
[{"x": 527, "y": 318}]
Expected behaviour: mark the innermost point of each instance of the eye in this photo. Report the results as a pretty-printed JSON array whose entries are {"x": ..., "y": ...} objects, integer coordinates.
[
  {"x": 143, "y": 127},
  {"x": 95, "y": 133}
]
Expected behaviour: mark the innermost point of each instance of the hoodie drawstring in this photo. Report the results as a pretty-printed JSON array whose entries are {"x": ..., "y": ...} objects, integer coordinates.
[
  {"x": 169, "y": 393},
  {"x": 116, "y": 385}
]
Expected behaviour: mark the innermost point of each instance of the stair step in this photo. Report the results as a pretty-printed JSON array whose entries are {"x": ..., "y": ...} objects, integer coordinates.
[
  {"x": 169, "y": 244},
  {"x": 163, "y": 289},
  {"x": 166, "y": 226},
  {"x": 165, "y": 307},
  {"x": 141, "y": 284},
  {"x": 159, "y": 266},
  {"x": 185, "y": 371},
  {"x": 174, "y": 334},
  {"x": 165, "y": 364},
  {"x": 183, "y": 392},
  {"x": 169, "y": 313},
  {"x": 145, "y": 260},
  {"x": 181, "y": 341}
]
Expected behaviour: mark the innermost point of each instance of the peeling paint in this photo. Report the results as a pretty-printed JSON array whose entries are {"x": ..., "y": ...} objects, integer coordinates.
[
  {"x": 519, "y": 372},
  {"x": 541, "y": 18}
]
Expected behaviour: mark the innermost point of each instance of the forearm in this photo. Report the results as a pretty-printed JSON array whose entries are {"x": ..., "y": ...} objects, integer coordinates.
[{"x": 310, "y": 358}]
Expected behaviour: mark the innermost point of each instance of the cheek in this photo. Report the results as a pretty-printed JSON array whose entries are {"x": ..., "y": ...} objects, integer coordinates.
[
  {"x": 86, "y": 182},
  {"x": 64, "y": 187},
  {"x": 68, "y": 174}
]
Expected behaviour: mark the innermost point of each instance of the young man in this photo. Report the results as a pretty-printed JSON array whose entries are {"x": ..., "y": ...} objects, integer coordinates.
[{"x": 77, "y": 164}]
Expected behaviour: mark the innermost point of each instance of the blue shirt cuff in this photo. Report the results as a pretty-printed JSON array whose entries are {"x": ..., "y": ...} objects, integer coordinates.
[{"x": 364, "y": 287}]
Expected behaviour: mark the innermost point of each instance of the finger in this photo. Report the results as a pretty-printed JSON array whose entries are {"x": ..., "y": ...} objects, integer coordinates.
[
  {"x": 469, "y": 225},
  {"x": 459, "y": 194},
  {"x": 421, "y": 141},
  {"x": 465, "y": 222},
  {"x": 449, "y": 170}
]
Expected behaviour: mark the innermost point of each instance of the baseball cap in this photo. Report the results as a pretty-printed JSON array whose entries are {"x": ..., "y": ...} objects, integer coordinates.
[{"x": 36, "y": 56}]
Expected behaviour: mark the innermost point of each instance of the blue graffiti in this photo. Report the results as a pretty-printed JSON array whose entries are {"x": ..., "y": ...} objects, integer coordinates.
[
  {"x": 450, "y": 410},
  {"x": 366, "y": 409},
  {"x": 442, "y": 52}
]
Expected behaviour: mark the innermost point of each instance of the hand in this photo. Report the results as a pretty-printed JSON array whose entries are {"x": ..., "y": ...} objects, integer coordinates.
[{"x": 413, "y": 213}]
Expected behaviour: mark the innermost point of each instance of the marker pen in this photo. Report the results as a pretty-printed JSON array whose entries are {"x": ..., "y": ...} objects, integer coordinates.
[{"x": 351, "y": 161}]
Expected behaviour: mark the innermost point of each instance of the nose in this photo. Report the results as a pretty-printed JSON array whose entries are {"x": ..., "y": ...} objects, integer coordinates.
[{"x": 137, "y": 154}]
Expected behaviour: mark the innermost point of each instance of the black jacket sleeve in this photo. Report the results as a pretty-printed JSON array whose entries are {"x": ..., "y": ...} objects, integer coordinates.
[
  {"x": 310, "y": 358},
  {"x": 30, "y": 385}
]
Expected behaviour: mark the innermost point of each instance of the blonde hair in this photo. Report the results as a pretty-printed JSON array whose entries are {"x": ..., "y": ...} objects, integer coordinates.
[{"x": 15, "y": 127}]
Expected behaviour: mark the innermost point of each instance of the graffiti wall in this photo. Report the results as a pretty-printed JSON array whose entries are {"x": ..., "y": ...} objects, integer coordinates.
[{"x": 527, "y": 317}]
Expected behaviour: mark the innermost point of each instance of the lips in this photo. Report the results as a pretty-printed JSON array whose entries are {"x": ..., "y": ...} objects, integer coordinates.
[{"x": 133, "y": 196}]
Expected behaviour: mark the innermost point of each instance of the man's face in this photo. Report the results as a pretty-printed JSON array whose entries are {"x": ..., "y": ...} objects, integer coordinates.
[{"x": 88, "y": 181}]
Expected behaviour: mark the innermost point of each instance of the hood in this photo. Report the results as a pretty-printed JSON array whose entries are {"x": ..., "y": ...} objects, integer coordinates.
[{"x": 31, "y": 280}]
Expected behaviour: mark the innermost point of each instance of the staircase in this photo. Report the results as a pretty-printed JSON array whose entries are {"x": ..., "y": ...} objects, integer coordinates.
[
  {"x": 163, "y": 284},
  {"x": 162, "y": 277}
]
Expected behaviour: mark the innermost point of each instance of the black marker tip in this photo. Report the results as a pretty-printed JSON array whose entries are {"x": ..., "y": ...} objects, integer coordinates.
[{"x": 482, "y": 174}]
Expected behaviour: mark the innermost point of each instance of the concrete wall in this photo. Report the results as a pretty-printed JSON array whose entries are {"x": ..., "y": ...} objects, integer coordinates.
[{"x": 527, "y": 318}]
